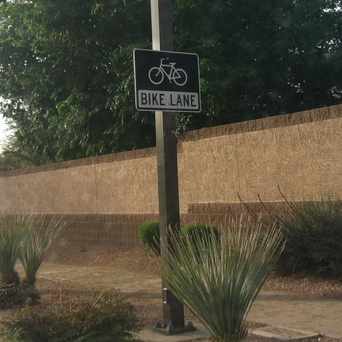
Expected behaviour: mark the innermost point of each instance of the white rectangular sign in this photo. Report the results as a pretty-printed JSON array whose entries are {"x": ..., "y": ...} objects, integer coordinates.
[{"x": 168, "y": 100}]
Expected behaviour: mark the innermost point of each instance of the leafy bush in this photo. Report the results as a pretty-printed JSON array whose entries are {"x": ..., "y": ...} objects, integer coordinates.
[
  {"x": 219, "y": 286},
  {"x": 313, "y": 232},
  {"x": 103, "y": 318},
  {"x": 149, "y": 234}
]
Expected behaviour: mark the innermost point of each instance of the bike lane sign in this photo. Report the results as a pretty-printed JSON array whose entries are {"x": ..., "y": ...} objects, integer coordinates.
[{"x": 167, "y": 81}]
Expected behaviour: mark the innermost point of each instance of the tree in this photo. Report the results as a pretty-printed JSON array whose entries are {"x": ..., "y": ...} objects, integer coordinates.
[
  {"x": 262, "y": 58},
  {"x": 66, "y": 67}
]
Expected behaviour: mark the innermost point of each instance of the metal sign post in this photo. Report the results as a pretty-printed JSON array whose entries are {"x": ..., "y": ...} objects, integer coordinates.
[
  {"x": 166, "y": 141},
  {"x": 166, "y": 82}
]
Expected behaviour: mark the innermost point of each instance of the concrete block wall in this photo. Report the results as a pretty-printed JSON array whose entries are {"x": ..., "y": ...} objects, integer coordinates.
[{"x": 218, "y": 166}]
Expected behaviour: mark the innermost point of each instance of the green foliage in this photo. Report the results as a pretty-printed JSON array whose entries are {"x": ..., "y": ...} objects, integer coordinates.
[
  {"x": 220, "y": 287},
  {"x": 11, "y": 234},
  {"x": 66, "y": 68},
  {"x": 25, "y": 238},
  {"x": 66, "y": 71},
  {"x": 103, "y": 318},
  {"x": 10, "y": 160},
  {"x": 39, "y": 234},
  {"x": 149, "y": 234},
  {"x": 204, "y": 230},
  {"x": 313, "y": 232}
]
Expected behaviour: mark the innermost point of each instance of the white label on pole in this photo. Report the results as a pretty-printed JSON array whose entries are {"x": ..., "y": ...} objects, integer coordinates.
[{"x": 168, "y": 100}]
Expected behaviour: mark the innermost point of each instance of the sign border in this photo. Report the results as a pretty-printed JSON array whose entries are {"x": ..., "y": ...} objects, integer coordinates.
[{"x": 165, "y": 109}]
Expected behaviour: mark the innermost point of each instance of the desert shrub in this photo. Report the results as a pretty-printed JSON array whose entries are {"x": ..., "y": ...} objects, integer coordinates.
[
  {"x": 149, "y": 234},
  {"x": 25, "y": 238},
  {"x": 198, "y": 231},
  {"x": 313, "y": 232},
  {"x": 39, "y": 234},
  {"x": 102, "y": 318},
  {"x": 11, "y": 235},
  {"x": 203, "y": 231},
  {"x": 221, "y": 288}
]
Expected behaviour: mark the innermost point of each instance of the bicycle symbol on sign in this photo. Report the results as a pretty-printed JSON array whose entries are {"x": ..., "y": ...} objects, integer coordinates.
[{"x": 157, "y": 75}]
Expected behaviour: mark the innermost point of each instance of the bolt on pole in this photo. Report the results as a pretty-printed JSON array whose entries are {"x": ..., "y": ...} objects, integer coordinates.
[{"x": 166, "y": 142}]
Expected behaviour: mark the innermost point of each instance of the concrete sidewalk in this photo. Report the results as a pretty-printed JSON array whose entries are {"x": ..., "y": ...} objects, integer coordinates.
[{"x": 280, "y": 309}]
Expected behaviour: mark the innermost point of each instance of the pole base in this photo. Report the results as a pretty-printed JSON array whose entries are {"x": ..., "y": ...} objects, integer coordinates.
[{"x": 167, "y": 328}]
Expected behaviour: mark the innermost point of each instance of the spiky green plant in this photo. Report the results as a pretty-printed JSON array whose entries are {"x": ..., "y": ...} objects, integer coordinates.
[
  {"x": 39, "y": 233},
  {"x": 220, "y": 285},
  {"x": 11, "y": 235}
]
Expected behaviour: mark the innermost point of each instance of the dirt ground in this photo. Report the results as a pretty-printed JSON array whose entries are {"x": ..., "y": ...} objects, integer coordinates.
[
  {"x": 79, "y": 271},
  {"x": 139, "y": 261}
]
